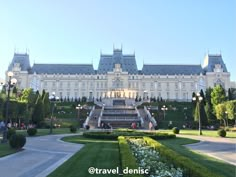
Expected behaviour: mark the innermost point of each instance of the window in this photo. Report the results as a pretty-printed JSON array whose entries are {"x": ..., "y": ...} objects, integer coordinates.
[
  {"x": 76, "y": 95},
  {"x": 176, "y": 86},
  {"x": 176, "y": 96},
  {"x": 144, "y": 85},
  {"x": 61, "y": 84},
  {"x": 167, "y": 95},
  {"x": 167, "y": 85},
  {"x": 192, "y": 86}
]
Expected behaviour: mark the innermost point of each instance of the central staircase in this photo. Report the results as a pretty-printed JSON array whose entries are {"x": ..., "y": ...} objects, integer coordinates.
[{"x": 117, "y": 113}]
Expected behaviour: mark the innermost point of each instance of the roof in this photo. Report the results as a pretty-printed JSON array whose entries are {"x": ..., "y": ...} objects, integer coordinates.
[
  {"x": 210, "y": 62},
  {"x": 171, "y": 69},
  {"x": 127, "y": 62},
  {"x": 63, "y": 68},
  {"x": 22, "y": 59}
]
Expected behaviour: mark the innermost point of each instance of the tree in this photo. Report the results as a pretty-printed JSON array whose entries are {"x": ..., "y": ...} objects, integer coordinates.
[
  {"x": 4, "y": 89},
  {"x": 217, "y": 96},
  {"x": 38, "y": 113},
  {"x": 199, "y": 111},
  {"x": 46, "y": 104},
  {"x": 208, "y": 106},
  {"x": 208, "y": 95},
  {"x": 230, "y": 109},
  {"x": 220, "y": 112},
  {"x": 29, "y": 97},
  {"x": 14, "y": 91},
  {"x": 230, "y": 96}
]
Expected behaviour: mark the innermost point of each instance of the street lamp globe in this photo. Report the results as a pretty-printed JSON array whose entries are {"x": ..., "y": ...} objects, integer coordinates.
[
  {"x": 13, "y": 81},
  {"x": 10, "y": 74}
]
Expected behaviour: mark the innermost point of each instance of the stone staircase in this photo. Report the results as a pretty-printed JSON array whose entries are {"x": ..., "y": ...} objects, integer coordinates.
[
  {"x": 93, "y": 121},
  {"x": 145, "y": 118},
  {"x": 120, "y": 116}
]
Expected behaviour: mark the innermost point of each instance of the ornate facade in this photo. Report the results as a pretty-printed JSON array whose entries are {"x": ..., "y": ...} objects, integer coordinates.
[{"x": 118, "y": 76}]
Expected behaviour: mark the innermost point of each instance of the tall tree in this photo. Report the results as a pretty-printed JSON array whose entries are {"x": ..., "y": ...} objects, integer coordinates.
[
  {"x": 37, "y": 115},
  {"x": 220, "y": 110},
  {"x": 14, "y": 91},
  {"x": 217, "y": 96},
  {"x": 230, "y": 109},
  {"x": 46, "y": 104},
  {"x": 209, "y": 107}
]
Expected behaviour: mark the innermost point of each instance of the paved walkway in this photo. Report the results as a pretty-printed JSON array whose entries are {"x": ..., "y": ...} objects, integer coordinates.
[
  {"x": 41, "y": 156},
  {"x": 220, "y": 148}
]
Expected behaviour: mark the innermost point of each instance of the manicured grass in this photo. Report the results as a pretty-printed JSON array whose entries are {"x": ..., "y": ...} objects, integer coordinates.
[
  {"x": 212, "y": 164},
  {"x": 212, "y": 133},
  {"x": 103, "y": 154},
  {"x": 5, "y": 149}
]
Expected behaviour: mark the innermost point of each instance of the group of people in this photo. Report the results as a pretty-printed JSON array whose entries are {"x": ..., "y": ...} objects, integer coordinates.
[
  {"x": 15, "y": 125},
  {"x": 106, "y": 126}
]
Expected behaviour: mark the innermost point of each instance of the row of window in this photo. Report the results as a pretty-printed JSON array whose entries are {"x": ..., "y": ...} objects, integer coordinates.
[
  {"x": 119, "y": 84},
  {"x": 177, "y": 95}
]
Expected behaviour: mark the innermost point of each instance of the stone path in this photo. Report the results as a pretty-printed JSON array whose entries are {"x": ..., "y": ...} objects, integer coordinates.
[
  {"x": 220, "y": 148},
  {"x": 41, "y": 156}
]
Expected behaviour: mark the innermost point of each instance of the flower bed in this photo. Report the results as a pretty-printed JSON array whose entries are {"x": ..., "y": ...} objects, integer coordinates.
[{"x": 148, "y": 158}]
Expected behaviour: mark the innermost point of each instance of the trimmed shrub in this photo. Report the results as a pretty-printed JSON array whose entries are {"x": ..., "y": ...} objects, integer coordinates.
[
  {"x": 221, "y": 132},
  {"x": 175, "y": 130},
  {"x": 10, "y": 132},
  {"x": 17, "y": 141},
  {"x": 73, "y": 129},
  {"x": 170, "y": 126},
  {"x": 127, "y": 158},
  {"x": 191, "y": 168},
  {"x": 115, "y": 134},
  {"x": 32, "y": 131}
]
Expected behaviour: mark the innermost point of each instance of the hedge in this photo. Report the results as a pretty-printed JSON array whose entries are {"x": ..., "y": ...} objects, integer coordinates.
[
  {"x": 191, "y": 168},
  {"x": 127, "y": 158},
  {"x": 114, "y": 135}
]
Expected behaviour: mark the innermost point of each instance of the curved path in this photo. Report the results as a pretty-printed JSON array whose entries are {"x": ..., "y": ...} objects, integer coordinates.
[
  {"x": 41, "y": 156},
  {"x": 220, "y": 148}
]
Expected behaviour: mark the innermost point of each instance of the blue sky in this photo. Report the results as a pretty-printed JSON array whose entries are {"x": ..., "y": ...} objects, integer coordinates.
[{"x": 159, "y": 32}]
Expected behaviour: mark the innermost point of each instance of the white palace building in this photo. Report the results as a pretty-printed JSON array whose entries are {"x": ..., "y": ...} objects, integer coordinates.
[{"x": 117, "y": 76}]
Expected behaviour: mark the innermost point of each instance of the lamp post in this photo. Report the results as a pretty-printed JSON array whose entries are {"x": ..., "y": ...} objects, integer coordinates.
[
  {"x": 198, "y": 100},
  {"x": 226, "y": 118},
  {"x": 10, "y": 83},
  {"x": 52, "y": 98},
  {"x": 164, "y": 109},
  {"x": 79, "y": 107}
]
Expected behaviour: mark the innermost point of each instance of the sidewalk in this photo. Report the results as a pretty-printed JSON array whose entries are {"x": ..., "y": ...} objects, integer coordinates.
[
  {"x": 41, "y": 156},
  {"x": 217, "y": 147}
]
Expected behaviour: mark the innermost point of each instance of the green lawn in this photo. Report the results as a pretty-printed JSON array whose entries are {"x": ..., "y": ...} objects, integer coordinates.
[
  {"x": 212, "y": 133},
  {"x": 213, "y": 164},
  {"x": 5, "y": 149},
  {"x": 95, "y": 153}
]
